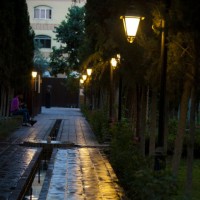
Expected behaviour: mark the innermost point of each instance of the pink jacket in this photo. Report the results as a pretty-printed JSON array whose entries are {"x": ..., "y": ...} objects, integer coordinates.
[{"x": 14, "y": 104}]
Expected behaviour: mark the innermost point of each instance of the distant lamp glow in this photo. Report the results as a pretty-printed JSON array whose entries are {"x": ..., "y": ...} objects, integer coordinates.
[
  {"x": 131, "y": 23},
  {"x": 113, "y": 62},
  {"x": 81, "y": 81},
  {"x": 84, "y": 77},
  {"x": 89, "y": 71},
  {"x": 34, "y": 74},
  {"x": 118, "y": 57}
]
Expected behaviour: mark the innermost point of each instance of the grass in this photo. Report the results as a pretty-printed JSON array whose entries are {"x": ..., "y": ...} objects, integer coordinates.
[{"x": 9, "y": 125}]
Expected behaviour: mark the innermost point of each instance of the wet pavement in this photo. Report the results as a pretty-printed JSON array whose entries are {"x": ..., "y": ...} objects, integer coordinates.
[{"x": 76, "y": 172}]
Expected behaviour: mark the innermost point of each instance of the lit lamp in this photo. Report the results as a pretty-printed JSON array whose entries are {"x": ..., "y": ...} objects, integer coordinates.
[
  {"x": 81, "y": 81},
  {"x": 89, "y": 71},
  {"x": 84, "y": 77},
  {"x": 34, "y": 75},
  {"x": 118, "y": 58},
  {"x": 131, "y": 23},
  {"x": 113, "y": 62}
]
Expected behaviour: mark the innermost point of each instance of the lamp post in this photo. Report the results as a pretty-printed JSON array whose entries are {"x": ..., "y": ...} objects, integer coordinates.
[
  {"x": 113, "y": 64},
  {"x": 34, "y": 88},
  {"x": 89, "y": 73},
  {"x": 84, "y": 77},
  {"x": 160, "y": 160},
  {"x": 131, "y": 24},
  {"x": 120, "y": 91},
  {"x": 34, "y": 75}
]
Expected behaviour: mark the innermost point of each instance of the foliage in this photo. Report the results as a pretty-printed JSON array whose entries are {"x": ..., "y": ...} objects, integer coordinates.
[
  {"x": 71, "y": 34},
  {"x": 72, "y": 82},
  {"x": 16, "y": 56},
  {"x": 7, "y": 126},
  {"x": 98, "y": 122},
  {"x": 58, "y": 61},
  {"x": 16, "y": 38},
  {"x": 135, "y": 171},
  {"x": 40, "y": 62},
  {"x": 172, "y": 126}
]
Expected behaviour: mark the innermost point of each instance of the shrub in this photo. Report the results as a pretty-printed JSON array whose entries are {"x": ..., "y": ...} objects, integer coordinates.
[
  {"x": 134, "y": 171},
  {"x": 8, "y": 125},
  {"x": 99, "y": 123},
  {"x": 172, "y": 127}
]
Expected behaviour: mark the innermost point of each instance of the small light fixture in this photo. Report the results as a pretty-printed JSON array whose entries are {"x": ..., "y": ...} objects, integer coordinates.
[
  {"x": 118, "y": 57},
  {"x": 34, "y": 74},
  {"x": 89, "y": 71},
  {"x": 81, "y": 81},
  {"x": 113, "y": 62},
  {"x": 84, "y": 77},
  {"x": 131, "y": 22}
]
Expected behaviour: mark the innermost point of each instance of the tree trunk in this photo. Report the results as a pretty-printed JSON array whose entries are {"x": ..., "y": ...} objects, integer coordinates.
[
  {"x": 153, "y": 119},
  {"x": 9, "y": 98},
  {"x": 142, "y": 120},
  {"x": 3, "y": 102},
  {"x": 138, "y": 110},
  {"x": 190, "y": 144},
  {"x": 166, "y": 129},
  {"x": 181, "y": 128}
]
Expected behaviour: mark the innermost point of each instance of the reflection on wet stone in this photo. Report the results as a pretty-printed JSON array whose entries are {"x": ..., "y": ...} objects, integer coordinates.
[{"x": 82, "y": 173}]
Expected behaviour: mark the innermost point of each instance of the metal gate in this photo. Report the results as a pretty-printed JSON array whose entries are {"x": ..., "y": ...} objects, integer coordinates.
[{"x": 55, "y": 93}]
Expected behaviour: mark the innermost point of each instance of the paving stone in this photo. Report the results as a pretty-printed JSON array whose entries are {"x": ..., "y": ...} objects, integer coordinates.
[{"x": 74, "y": 173}]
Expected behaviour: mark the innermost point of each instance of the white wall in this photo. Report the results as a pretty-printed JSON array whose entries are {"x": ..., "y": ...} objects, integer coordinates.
[{"x": 46, "y": 27}]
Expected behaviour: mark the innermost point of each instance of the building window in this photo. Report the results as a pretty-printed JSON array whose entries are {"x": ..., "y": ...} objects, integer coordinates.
[
  {"x": 42, "y": 12},
  {"x": 43, "y": 41}
]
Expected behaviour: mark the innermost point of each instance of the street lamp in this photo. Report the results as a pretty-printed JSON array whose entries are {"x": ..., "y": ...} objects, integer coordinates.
[
  {"x": 113, "y": 62},
  {"x": 34, "y": 75},
  {"x": 113, "y": 65},
  {"x": 81, "y": 81},
  {"x": 131, "y": 22},
  {"x": 89, "y": 71},
  {"x": 84, "y": 77},
  {"x": 33, "y": 91},
  {"x": 160, "y": 160}
]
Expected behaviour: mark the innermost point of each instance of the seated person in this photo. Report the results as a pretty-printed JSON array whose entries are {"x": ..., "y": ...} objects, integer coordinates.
[{"x": 17, "y": 108}]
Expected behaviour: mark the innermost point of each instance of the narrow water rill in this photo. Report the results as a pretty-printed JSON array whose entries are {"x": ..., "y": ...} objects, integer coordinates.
[{"x": 37, "y": 178}]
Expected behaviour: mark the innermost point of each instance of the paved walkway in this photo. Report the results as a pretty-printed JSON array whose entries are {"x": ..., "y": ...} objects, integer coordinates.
[{"x": 76, "y": 172}]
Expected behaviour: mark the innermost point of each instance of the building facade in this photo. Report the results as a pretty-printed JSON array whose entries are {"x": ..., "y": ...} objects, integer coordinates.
[{"x": 45, "y": 15}]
